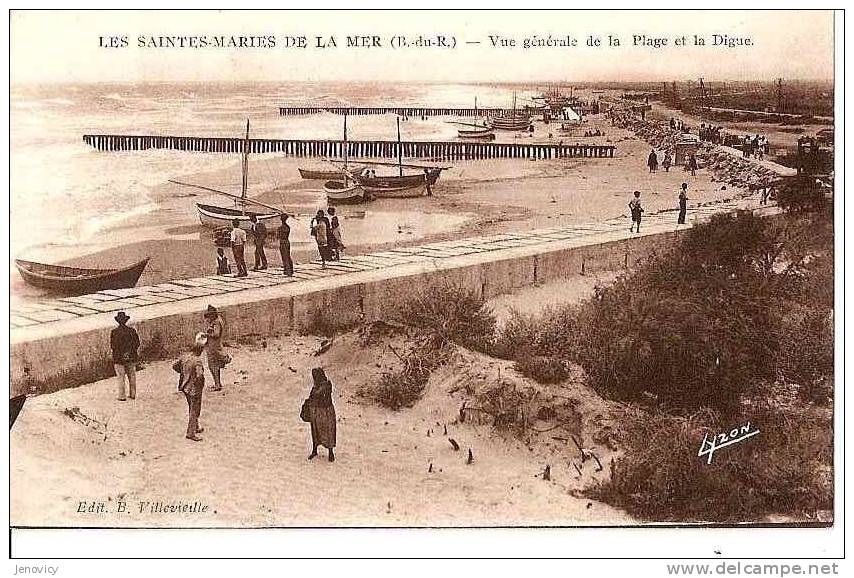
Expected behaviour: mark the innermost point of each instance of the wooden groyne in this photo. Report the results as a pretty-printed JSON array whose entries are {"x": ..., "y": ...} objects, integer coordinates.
[
  {"x": 417, "y": 111},
  {"x": 439, "y": 150}
]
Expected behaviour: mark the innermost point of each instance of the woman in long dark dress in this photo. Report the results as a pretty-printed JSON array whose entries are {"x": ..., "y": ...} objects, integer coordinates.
[
  {"x": 321, "y": 414},
  {"x": 285, "y": 246}
]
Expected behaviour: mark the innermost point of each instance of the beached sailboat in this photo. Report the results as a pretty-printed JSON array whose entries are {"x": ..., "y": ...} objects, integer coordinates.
[
  {"x": 400, "y": 185},
  {"x": 344, "y": 190},
  {"x": 217, "y": 217},
  {"x": 514, "y": 122},
  {"x": 79, "y": 280}
]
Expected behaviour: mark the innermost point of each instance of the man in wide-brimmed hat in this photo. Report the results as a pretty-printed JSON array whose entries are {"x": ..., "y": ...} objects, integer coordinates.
[
  {"x": 217, "y": 358},
  {"x": 124, "y": 341}
]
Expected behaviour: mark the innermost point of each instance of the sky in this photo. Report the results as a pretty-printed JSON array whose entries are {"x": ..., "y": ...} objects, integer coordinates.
[{"x": 65, "y": 46}]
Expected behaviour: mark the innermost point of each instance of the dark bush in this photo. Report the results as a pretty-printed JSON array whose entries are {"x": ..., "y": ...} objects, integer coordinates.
[
  {"x": 782, "y": 470},
  {"x": 801, "y": 194},
  {"x": 450, "y": 314},
  {"x": 397, "y": 390},
  {"x": 691, "y": 327},
  {"x": 542, "y": 369},
  {"x": 806, "y": 352}
]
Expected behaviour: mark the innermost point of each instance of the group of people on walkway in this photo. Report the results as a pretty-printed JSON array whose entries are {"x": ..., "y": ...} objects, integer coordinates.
[
  {"x": 327, "y": 233},
  {"x": 238, "y": 239},
  {"x": 652, "y": 162},
  {"x": 318, "y": 409},
  {"x": 636, "y": 208},
  {"x": 754, "y": 146}
]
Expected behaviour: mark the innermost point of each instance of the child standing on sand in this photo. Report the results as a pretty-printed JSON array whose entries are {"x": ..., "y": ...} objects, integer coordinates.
[{"x": 636, "y": 209}]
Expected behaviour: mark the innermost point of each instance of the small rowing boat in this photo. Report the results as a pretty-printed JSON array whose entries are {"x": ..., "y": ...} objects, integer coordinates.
[
  {"x": 79, "y": 280},
  {"x": 322, "y": 175},
  {"x": 484, "y": 133},
  {"x": 344, "y": 193},
  {"x": 403, "y": 192}
]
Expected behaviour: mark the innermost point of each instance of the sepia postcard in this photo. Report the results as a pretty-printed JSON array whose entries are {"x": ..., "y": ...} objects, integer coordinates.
[{"x": 425, "y": 269}]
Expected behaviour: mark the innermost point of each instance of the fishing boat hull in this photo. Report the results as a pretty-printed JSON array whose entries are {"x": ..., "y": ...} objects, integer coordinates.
[
  {"x": 404, "y": 192},
  {"x": 78, "y": 280},
  {"x": 216, "y": 217},
  {"x": 16, "y": 404},
  {"x": 341, "y": 194},
  {"x": 476, "y": 134},
  {"x": 510, "y": 123},
  {"x": 397, "y": 182},
  {"x": 313, "y": 175}
]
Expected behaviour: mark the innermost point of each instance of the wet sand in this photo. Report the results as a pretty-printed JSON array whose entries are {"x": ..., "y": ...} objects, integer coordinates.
[{"x": 472, "y": 198}]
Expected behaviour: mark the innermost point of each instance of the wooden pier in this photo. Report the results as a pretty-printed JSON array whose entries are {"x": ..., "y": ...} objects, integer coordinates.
[
  {"x": 438, "y": 150},
  {"x": 416, "y": 111}
]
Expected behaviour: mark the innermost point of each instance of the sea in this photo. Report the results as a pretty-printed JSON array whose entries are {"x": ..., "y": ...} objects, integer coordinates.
[{"x": 69, "y": 200}]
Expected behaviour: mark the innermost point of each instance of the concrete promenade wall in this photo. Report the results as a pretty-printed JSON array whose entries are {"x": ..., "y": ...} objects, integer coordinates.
[{"x": 68, "y": 353}]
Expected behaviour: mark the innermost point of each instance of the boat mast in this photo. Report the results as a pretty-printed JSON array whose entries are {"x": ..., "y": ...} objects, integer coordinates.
[
  {"x": 245, "y": 169},
  {"x": 345, "y": 150},
  {"x": 399, "y": 150}
]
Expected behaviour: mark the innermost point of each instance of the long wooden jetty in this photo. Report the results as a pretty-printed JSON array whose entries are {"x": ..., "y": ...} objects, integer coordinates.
[
  {"x": 398, "y": 110},
  {"x": 439, "y": 150}
]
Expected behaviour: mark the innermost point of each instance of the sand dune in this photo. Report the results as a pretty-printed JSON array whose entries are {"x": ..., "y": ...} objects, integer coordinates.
[{"x": 251, "y": 469}]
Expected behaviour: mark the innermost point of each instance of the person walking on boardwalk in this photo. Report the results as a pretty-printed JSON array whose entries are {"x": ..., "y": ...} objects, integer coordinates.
[
  {"x": 692, "y": 165},
  {"x": 668, "y": 160},
  {"x": 652, "y": 161},
  {"x": 284, "y": 235},
  {"x": 124, "y": 341},
  {"x": 217, "y": 358},
  {"x": 238, "y": 240},
  {"x": 336, "y": 240},
  {"x": 331, "y": 240},
  {"x": 191, "y": 384},
  {"x": 319, "y": 411},
  {"x": 259, "y": 236},
  {"x": 320, "y": 232},
  {"x": 636, "y": 210},
  {"x": 683, "y": 204}
]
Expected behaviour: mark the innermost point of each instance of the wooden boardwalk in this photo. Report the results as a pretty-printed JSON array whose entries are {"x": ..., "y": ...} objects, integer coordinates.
[{"x": 57, "y": 310}]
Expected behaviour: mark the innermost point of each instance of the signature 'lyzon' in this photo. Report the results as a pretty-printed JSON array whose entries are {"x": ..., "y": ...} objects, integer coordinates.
[{"x": 721, "y": 440}]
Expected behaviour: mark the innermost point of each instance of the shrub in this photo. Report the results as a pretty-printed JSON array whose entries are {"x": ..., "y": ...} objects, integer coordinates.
[
  {"x": 437, "y": 317},
  {"x": 785, "y": 469},
  {"x": 806, "y": 352},
  {"x": 801, "y": 194},
  {"x": 518, "y": 336},
  {"x": 397, "y": 390},
  {"x": 450, "y": 314},
  {"x": 542, "y": 369},
  {"x": 692, "y": 327}
]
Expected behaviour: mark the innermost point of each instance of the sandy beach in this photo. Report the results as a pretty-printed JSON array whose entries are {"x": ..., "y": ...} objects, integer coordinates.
[
  {"x": 126, "y": 462},
  {"x": 251, "y": 469},
  {"x": 472, "y": 198}
]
